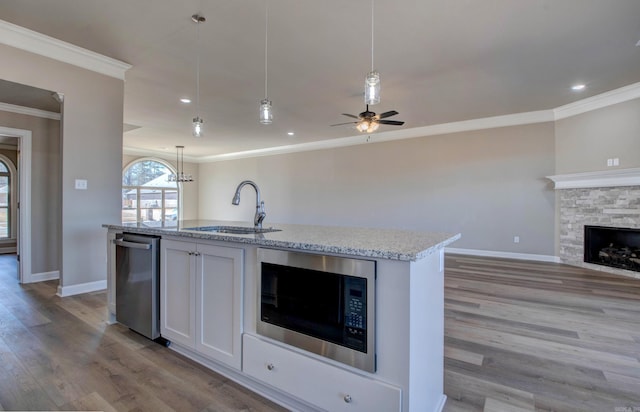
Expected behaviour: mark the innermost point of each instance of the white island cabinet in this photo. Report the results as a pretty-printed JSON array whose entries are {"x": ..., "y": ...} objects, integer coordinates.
[
  {"x": 209, "y": 311},
  {"x": 201, "y": 298}
]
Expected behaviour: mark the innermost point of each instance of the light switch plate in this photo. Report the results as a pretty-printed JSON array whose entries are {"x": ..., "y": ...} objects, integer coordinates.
[{"x": 81, "y": 184}]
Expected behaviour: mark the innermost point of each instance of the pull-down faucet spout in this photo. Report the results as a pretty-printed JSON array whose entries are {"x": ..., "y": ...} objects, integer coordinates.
[{"x": 260, "y": 213}]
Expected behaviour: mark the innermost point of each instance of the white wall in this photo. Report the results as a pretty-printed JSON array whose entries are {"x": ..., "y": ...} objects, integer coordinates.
[
  {"x": 489, "y": 185},
  {"x": 91, "y": 148},
  {"x": 585, "y": 142}
]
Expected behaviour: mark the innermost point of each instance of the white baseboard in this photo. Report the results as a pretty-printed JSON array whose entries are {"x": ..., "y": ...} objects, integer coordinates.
[
  {"x": 504, "y": 255},
  {"x": 41, "y": 277},
  {"x": 64, "y": 291}
]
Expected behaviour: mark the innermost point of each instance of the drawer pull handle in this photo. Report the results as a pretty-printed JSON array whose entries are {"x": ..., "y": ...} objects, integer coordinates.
[
  {"x": 270, "y": 366},
  {"x": 348, "y": 398}
]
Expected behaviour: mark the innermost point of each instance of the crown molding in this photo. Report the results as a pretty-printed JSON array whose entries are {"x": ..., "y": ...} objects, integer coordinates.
[
  {"x": 602, "y": 178},
  {"x": 21, "y": 38},
  {"x": 29, "y": 111},
  {"x": 621, "y": 95}
]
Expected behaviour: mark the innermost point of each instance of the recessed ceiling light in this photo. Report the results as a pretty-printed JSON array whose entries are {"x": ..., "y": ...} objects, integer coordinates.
[
  {"x": 185, "y": 100},
  {"x": 290, "y": 133},
  {"x": 578, "y": 87}
]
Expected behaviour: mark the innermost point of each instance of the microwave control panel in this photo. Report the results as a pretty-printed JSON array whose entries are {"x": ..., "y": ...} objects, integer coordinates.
[{"x": 355, "y": 316}]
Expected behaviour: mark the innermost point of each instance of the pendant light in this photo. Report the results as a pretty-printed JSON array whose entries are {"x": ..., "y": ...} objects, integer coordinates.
[
  {"x": 372, "y": 80},
  {"x": 266, "y": 113},
  {"x": 180, "y": 176},
  {"x": 197, "y": 126}
]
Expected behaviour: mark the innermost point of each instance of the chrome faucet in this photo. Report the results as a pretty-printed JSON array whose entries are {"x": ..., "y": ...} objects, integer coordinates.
[{"x": 260, "y": 213}]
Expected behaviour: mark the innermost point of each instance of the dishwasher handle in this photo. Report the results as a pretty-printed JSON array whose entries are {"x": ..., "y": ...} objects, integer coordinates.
[{"x": 133, "y": 245}]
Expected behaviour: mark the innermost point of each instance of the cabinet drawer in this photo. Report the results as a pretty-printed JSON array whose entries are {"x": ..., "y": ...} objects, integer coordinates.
[{"x": 316, "y": 382}]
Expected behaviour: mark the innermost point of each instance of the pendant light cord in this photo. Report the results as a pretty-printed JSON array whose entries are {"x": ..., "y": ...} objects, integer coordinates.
[
  {"x": 198, "y": 67},
  {"x": 266, "y": 45},
  {"x": 372, "y": 35}
]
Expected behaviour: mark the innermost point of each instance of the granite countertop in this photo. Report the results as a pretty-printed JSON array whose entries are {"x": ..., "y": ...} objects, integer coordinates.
[{"x": 365, "y": 242}]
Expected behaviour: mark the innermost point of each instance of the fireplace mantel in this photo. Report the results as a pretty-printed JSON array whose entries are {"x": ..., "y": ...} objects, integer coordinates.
[{"x": 603, "y": 178}]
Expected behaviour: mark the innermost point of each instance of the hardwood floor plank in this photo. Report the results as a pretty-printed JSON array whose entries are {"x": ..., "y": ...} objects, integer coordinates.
[
  {"x": 463, "y": 355},
  {"x": 90, "y": 402},
  {"x": 496, "y": 405}
]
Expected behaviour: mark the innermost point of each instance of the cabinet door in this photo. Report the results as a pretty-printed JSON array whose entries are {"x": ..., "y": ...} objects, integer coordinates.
[
  {"x": 177, "y": 292},
  {"x": 219, "y": 303}
]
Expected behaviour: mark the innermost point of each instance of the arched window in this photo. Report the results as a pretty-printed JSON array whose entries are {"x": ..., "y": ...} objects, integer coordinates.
[
  {"x": 147, "y": 194},
  {"x": 5, "y": 200}
]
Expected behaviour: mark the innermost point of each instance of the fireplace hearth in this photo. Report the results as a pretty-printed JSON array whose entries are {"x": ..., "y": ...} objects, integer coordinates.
[{"x": 612, "y": 246}]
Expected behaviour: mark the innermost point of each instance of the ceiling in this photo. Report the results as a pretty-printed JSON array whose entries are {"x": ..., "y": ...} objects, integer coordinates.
[{"x": 440, "y": 61}]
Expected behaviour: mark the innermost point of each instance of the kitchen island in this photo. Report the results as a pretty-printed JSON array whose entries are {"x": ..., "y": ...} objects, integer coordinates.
[{"x": 210, "y": 309}]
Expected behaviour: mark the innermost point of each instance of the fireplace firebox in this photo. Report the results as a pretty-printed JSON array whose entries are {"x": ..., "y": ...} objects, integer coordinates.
[{"x": 612, "y": 246}]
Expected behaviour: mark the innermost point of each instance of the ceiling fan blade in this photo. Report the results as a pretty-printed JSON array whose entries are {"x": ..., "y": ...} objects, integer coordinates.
[
  {"x": 391, "y": 122},
  {"x": 388, "y": 114},
  {"x": 350, "y": 115},
  {"x": 341, "y": 124}
]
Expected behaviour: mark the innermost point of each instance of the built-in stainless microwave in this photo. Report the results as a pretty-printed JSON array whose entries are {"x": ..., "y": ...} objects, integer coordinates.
[{"x": 322, "y": 304}]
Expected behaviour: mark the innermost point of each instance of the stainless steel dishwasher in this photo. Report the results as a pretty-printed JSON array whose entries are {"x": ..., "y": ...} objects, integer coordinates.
[{"x": 138, "y": 283}]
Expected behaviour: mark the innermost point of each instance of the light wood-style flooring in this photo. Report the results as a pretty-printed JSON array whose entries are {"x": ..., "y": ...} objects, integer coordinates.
[
  {"x": 524, "y": 336},
  {"x": 519, "y": 336},
  {"x": 59, "y": 354}
]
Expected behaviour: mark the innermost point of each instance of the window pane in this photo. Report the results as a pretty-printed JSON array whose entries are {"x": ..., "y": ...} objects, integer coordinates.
[
  {"x": 4, "y": 223},
  {"x": 129, "y": 205},
  {"x": 4, "y": 191},
  {"x": 148, "y": 173},
  {"x": 3, "y": 167}
]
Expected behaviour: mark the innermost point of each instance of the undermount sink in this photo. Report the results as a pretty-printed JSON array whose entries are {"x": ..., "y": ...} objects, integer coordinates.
[{"x": 236, "y": 230}]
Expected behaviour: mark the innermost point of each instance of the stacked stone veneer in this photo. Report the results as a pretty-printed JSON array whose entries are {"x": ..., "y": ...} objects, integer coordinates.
[{"x": 606, "y": 206}]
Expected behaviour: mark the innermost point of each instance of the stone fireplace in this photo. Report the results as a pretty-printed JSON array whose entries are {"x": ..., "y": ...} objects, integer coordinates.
[{"x": 609, "y": 199}]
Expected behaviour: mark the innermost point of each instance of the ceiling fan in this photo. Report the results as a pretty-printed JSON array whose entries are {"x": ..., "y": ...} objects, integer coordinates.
[{"x": 369, "y": 121}]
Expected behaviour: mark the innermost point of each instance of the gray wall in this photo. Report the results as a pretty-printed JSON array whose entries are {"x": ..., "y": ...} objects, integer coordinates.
[
  {"x": 488, "y": 185},
  {"x": 585, "y": 142},
  {"x": 91, "y": 148},
  {"x": 45, "y": 188},
  {"x": 189, "y": 190}
]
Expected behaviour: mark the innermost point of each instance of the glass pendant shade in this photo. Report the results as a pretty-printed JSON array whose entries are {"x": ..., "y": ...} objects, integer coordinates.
[
  {"x": 372, "y": 88},
  {"x": 198, "y": 130},
  {"x": 266, "y": 112}
]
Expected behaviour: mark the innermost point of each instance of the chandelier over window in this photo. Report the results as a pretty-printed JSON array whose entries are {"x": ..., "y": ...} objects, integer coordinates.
[{"x": 180, "y": 176}]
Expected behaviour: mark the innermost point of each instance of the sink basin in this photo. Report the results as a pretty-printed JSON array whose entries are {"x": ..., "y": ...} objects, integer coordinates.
[{"x": 236, "y": 230}]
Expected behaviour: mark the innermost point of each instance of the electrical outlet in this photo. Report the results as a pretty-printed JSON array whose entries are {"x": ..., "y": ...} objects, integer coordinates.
[
  {"x": 81, "y": 184},
  {"x": 516, "y": 239}
]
